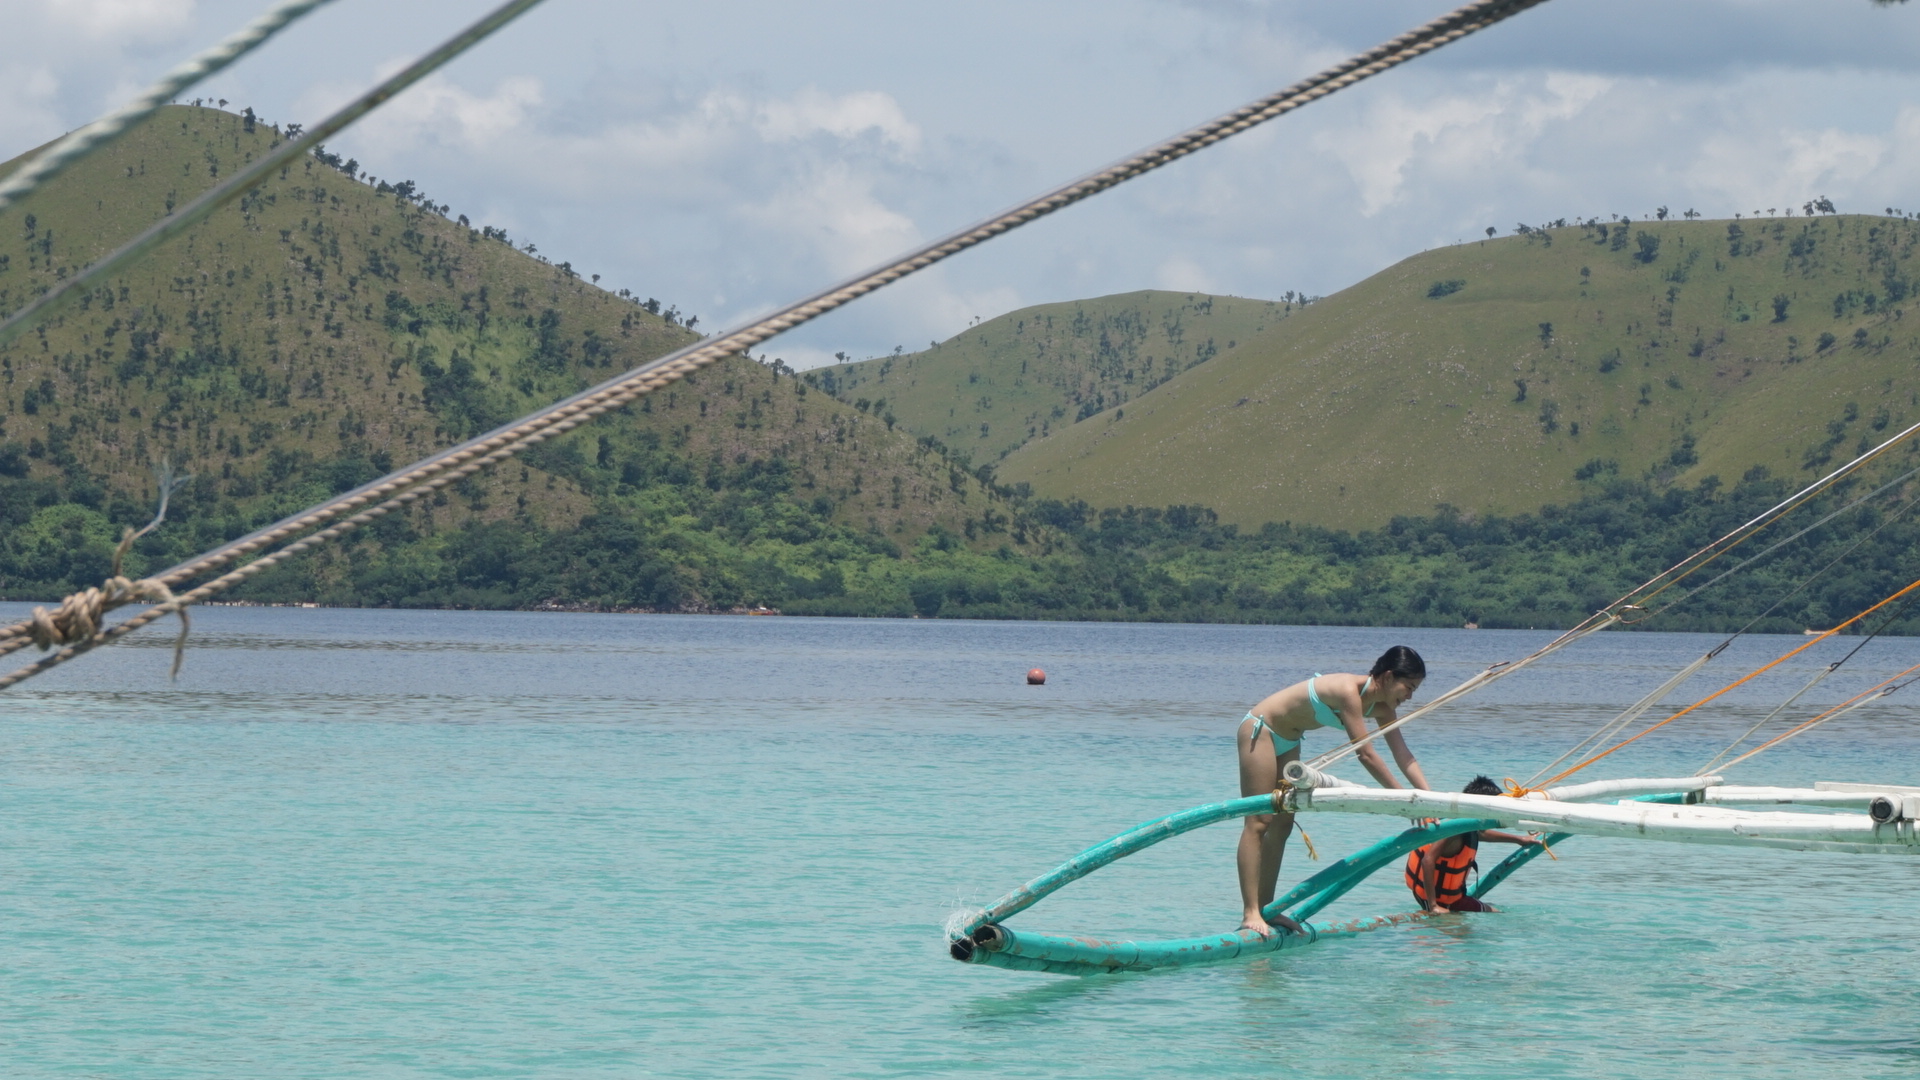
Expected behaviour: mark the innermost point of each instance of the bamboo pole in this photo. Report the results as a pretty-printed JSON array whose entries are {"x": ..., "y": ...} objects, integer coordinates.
[{"x": 1639, "y": 819}]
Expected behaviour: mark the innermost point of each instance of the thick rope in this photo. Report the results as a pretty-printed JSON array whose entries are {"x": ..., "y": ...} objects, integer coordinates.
[
  {"x": 54, "y": 160},
  {"x": 247, "y": 178},
  {"x": 385, "y": 494},
  {"x": 76, "y": 622}
]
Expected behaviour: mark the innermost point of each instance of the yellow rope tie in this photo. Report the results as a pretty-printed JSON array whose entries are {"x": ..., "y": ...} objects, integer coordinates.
[
  {"x": 1308, "y": 840},
  {"x": 1517, "y": 790}
]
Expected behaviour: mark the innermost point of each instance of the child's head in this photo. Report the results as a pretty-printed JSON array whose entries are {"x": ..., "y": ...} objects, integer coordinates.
[{"x": 1481, "y": 785}]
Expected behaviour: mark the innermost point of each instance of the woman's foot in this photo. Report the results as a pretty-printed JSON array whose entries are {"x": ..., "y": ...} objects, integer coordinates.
[{"x": 1262, "y": 927}]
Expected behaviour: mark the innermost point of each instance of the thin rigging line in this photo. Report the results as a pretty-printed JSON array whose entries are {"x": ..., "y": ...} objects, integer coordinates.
[
  {"x": 1612, "y": 613},
  {"x": 54, "y": 160}
]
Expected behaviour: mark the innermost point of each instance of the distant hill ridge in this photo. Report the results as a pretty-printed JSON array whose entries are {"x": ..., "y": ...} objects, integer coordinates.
[
  {"x": 1021, "y": 376},
  {"x": 1494, "y": 376}
]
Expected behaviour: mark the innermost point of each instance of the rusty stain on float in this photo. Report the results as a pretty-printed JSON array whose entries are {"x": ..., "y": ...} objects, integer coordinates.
[{"x": 1036, "y": 677}]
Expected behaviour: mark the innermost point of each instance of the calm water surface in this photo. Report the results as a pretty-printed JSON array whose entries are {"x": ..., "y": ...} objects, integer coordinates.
[{"x": 389, "y": 844}]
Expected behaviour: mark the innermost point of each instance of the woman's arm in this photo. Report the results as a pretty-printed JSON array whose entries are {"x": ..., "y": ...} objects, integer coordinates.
[
  {"x": 1403, "y": 757},
  {"x": 1369, "y": 756}
]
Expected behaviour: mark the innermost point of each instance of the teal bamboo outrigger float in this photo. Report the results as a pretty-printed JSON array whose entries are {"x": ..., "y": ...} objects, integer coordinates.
[{"x": 1689, "y": 810}]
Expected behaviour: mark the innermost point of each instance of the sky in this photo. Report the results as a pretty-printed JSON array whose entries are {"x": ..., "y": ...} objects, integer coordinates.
[{"x": 729, "y": 156}]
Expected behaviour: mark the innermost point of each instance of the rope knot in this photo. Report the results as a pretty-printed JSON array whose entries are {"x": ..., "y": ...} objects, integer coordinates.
[
  {"x": 80, "y": 617},
  {"x": 1517, "y": 790}
]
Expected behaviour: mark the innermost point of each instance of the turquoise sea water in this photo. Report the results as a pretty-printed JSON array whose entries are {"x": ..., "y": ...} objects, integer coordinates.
[{"x": 390, "y": 844}]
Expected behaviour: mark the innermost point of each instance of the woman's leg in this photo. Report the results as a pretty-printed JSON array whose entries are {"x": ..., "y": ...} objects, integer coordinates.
[{"x": 1263, "y": 838}]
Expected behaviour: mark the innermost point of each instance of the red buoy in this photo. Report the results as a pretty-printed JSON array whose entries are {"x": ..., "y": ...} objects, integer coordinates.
[{"x": 1036, "y": 677}]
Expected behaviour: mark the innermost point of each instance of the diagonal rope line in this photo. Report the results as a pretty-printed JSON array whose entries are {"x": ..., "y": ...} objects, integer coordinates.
[
  {"x": 1778, "y": 544},
  {"x": 1633, "y": 712},
  {"x": 1613, "y": 613},
  {"x": 1639, "y": 708},
  {"x": 563, "y": 416},
  {"x": 1864, "y": 697},
  {"x": 54, "y": 160},
  {"x": 1776, "y": 512},
  {"x": 237, "y": 184},
  {"x": 1756, "y": 673},
  {"x": 1818, "y": 678}
]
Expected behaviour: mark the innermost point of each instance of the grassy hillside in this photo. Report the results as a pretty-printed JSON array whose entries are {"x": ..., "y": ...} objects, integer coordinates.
[
  {"x": 1031, "y": 372},
  {"x": 319, "y": 331},
  {"x": 1503, "y": 375}
]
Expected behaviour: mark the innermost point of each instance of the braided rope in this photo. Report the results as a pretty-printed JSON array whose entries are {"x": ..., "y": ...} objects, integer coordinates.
[
  {"x": 239, "y": 183},
  {"x": 450, "y": 465},
  {"x": 54, "y": 160}
]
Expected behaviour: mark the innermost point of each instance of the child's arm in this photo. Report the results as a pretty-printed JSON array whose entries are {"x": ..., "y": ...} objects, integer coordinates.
[{"x": 1499, "y": 837}]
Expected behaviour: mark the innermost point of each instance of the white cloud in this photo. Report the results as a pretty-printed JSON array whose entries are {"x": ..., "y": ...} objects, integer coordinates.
[
  {"x": 1455, "y": 134},
  {"x": 1181, "y": 274},
  {"x": 119, "y": 18},
  {"x": 1748, "y": 175},
  {"x": 449, "y": 115}
]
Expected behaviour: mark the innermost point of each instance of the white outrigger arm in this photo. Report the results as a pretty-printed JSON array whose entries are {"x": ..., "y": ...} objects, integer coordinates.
[{"x": 1890, "y": 825}]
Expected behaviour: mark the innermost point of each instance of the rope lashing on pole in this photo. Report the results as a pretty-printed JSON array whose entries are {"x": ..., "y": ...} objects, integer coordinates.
[
  {"x": 383, "y": 495},
  {"x": 239, "y": 183},
  {"x": 77, "y": 144},
  {"x": 1757, "y": 672},
  {"x": 1616, "y": 612}
]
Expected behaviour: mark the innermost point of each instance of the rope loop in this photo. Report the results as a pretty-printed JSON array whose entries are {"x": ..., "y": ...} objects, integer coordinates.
[{"x": 1517, "y": 790}]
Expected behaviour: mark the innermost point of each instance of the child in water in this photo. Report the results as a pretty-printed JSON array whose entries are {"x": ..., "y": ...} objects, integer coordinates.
[{"x": 1437, "y": 873}]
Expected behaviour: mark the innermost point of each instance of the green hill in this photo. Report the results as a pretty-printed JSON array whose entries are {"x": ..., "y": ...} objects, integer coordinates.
[
  {"x": 1500, "y": 376},
  {"x": 319, "y": 331},
  {"x": 986, "y": 392}
]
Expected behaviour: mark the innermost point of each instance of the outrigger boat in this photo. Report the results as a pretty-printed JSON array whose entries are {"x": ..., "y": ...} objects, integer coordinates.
[
  {"x": 1858, "y": 818},
  {"x": 1881, "y": 819}
]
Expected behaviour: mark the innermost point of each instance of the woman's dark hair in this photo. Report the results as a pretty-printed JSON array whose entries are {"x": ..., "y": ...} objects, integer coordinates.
[
  {"x": 1481, "y": 785},
  {"x": 1400, "y": 662}
]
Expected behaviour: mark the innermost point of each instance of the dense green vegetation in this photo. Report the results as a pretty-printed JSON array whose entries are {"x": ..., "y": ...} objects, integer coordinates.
[{"x": 663, "y": 535}]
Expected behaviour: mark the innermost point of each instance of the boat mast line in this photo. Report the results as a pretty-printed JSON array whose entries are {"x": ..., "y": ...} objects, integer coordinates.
[
  {"x": 397, "y": 489},
  {"x": 1615, "y": 612},
  {"x": 1757, "y": 672},
  {"x": 1639, "y": 708}
]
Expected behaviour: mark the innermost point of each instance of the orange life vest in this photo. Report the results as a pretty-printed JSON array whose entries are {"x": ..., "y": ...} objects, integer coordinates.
[{"x": 1451, "y": 876}]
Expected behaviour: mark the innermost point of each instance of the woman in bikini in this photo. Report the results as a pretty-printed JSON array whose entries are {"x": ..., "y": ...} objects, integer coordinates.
[{"x": 1270, "y": 737}]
